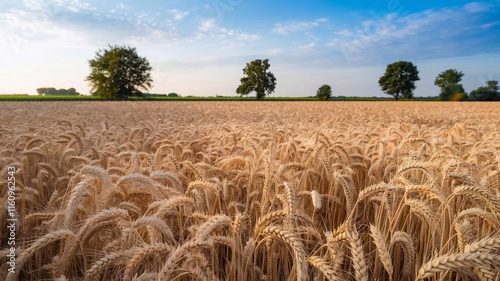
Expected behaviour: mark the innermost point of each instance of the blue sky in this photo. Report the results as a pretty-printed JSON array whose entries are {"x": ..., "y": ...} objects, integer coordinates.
[{"x": 200, "y": 47}]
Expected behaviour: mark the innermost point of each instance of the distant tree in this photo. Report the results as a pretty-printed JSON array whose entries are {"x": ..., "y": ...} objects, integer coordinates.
[
  {"x": 453, "y": 92},
  {"x": 447, "y": 77},
  {"x": 324, "y": 92},
  {"x": 41, "y": 91},
  {"x": 486, "y": 93},
  {"x": 51, "y": 92},
  {"x": 483, "y": 94},
  {"x": 257, "y": 79},
  {"x": 173, "y": 95},
  {"x": 118, "y": 72},
  {"x": 399, "y": 79},
  {"x": 492, "y": 85},
  {"x": 59, "y": 92},
  {"x": 72, "y": 92}
]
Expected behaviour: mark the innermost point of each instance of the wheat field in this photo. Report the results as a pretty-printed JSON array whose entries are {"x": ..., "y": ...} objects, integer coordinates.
[{"x": 252, "y": 190}]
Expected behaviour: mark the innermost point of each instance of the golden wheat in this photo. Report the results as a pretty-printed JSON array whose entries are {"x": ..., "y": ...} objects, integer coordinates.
[{"x": 251, "y": 191}]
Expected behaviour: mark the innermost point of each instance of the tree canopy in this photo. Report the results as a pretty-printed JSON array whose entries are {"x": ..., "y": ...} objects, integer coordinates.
[
  {"x": 57, "y": 92},
  {"x": 399, "y": 79},
  {"x": 486, "y": 93},
  {"x": 452, "y": 92},
  {"x": 324, "y": 92},
  {"x": 447, "y": 77},
  {"x": 257, "y": 79},
  {"x": 492, "y": 85},
  {"x": 118, "y": 72}
]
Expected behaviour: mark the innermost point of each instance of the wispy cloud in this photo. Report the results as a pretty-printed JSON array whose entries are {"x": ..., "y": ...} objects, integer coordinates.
[
  {"x": 307, "y": 46},
  {"x": 477, "y": 7},
  {"x": 207, "y": 25},
  {"x": 69, "y": 20},
  {"x": 178, "y": 15},
  {"x": 230, "y": 38},
  {"x": 297, "y": 26},
  {"x": 432, "y": 33},
  {"x": 76, "y": 6},
  {"x": 210, "y": 28},
  {"x": 249, "y": 37}
]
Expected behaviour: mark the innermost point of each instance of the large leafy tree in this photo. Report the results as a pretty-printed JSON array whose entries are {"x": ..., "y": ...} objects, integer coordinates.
[
  {"x": 257, "y": 79},
  {"x": 324, "y": 92},
  {"x": 118, "y": 72},
  {"x": 447, "y": 77},
  {"x": 452, "y": 92},
  {"x": 399, "y": 79}
]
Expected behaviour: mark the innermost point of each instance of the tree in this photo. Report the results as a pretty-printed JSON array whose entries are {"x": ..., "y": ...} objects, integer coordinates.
[
  {"x": 492, "y": 85},
  {"x": 450, "y": 76},
  {"x": 72, "y": 92},
  {"x": 54, "y": 92},
  {"x": 41, "y": 91},
  {"x": 486, "y": 93},
  {"x": 483, "y": 94},
  {"x": 399, "y": 79},
  {"x": 324, "y": 92},
  {"x": 47, "y": 91},
  {"x": 119, "y": 72},
  {"x": 257, "y": 79},
  {"x": 452, "y": 92}
]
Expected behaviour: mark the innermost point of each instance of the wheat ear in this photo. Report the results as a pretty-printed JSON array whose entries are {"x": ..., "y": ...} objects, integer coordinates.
[
  {"x": 453, "y": 261},
  {"x": 324, "y": 267},
  {"x": 94, "y": 272},
  {"x": 176, "y": 257},
  {"x": 139, "y": 254},
  {"x": 316, "y": 199},
  {"x": 297, "y": 247},
  {"x": 358, "y": 256},
  {"x": 62, "y": 234},
  {"x": 210, "y": 225},
  {"x": 382, "y": 249}
]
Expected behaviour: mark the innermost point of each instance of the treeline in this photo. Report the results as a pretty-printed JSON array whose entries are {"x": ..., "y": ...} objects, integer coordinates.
[
  {"x": 57, "y": 92},
  {"x": 451, "y": 89},
  {"x": 171, "y": 95}
]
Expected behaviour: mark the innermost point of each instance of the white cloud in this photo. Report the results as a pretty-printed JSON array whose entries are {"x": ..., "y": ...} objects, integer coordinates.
[
  {"x": 209, "y": 28},
  {"x": 123, "y": 6},
  {"x": 274, "y": 51},
  {"x": 207, "y": 25},
  {"x": 431, "y": 33},
  {"x": 73, "y": 22},
  {"x": 249, "y": 37},
  {"x": 307, "y": 46},
  {"x": 477, "y": 7},
  {"x": 297, "y": 26},
  {"x": 344, "y": 32},
  {"x": 178, "y": 15},
  {"x": 33, "y": 4},
  {"x": 75, "y": 6}
]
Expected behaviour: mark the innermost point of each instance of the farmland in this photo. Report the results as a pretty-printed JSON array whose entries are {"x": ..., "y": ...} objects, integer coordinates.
[
  {"x": 251, "y": 190},
  {"x": 196, "y": 98}
]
